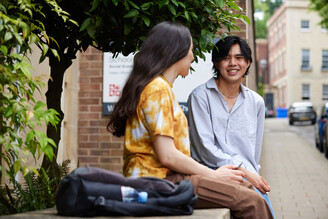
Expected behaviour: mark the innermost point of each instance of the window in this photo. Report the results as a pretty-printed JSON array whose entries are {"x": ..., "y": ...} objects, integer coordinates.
[
  {"x": 325, "y": 91},
  {"x": 305, "y": 25},
  {"x": 305, "y": 91},
  {"x": 305, "y": 59},
  {"x": 324, "y": 59}
]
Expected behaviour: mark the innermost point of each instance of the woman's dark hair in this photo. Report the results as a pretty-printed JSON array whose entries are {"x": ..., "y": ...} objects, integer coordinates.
[
  {"x": 167, "y": 43},
  {"x": 222, "y": 48}
]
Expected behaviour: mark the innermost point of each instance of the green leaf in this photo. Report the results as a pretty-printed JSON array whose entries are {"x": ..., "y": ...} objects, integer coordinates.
[
  {"x": 48, "y": 152},
  {"x": 115, "y": 2},
  {"x": 133, "y": 4},
  {"x": 45, "y": 49},
  {"x": 39, "y": 106},
  {"x": 146, "y": 20},
  {"x": 29, "y": 136},
  {"x": 127, "y": 29},
  {"x": 91, "y": 31},
  {"x": 4, "y": 50},
  {"x": 175, "y": 2},
  {"x": 182, "y": 4},
  {"x": 131, "y": 13},
  {"x": 85, "y": 24},
  {"x": 95, "y": 4},
  {"x": 187, "y": 15},
  {"x": 146, "y": 5},
  {"x": 17, "y": 166},
  {"x": 162, "y": 3},
  {"x": 220, "y": 3},
  {"x": 8, "y": 36},
  {"x": 172, "y": 9},
  {"x": 247, "y": 19},
  {"x": 234, "y": 5}
]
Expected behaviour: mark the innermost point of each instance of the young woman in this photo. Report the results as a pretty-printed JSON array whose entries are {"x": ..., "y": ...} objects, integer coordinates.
[{"x": 156, "y": 129}]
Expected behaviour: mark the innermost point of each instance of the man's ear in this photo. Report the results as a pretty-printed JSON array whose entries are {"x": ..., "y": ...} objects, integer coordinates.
[
  {"x": 217, "y": 66},
  {"x": 249, "y": 63}
]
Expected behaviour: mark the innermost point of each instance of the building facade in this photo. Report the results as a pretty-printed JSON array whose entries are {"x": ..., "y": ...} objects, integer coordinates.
[{"x": 297, "y": 55}]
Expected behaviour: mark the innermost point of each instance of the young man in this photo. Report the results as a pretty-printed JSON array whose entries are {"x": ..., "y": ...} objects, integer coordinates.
[{"x": 226, "y": 119}]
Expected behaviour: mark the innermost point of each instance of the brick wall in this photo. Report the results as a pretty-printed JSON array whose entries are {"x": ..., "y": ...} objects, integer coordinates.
[{"x": 96, "y": 146}]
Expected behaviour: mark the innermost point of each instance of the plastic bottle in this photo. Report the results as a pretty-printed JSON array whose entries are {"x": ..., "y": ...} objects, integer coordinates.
[{"x": 130, "y": 194}]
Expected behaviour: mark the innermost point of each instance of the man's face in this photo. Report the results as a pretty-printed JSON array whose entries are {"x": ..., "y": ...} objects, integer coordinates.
[{"x": 233, "y": 66}]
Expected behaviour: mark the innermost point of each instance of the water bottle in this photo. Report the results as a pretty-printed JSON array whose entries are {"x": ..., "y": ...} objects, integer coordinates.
[{"x": 130, "y": 194}]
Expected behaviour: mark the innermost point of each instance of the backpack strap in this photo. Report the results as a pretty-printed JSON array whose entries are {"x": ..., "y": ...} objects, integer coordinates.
[{"x": 138, "y": 209}]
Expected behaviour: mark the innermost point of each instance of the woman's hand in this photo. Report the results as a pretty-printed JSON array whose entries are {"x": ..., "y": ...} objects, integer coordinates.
[
  {"x": 258, "y": 182},
  {"x": 230, "y": 173}
]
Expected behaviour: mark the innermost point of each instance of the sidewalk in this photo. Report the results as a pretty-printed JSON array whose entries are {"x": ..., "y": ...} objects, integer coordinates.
[{"x": 296, "y": 171}]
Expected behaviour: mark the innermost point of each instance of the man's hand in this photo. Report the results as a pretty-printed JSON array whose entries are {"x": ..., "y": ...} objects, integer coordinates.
[
  {"x": 230, "y": 173},
  {"x": 258, "y": 182}
]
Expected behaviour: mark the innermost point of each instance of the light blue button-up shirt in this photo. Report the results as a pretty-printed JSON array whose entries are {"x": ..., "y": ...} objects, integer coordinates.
[{"x": 218, "y": 137}]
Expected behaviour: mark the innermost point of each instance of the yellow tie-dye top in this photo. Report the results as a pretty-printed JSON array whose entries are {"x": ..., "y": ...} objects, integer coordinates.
[{"x": 158, "y": 113}]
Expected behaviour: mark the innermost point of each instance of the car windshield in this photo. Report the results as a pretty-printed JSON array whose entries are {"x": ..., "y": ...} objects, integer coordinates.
[{"x": 303, "y": 108}]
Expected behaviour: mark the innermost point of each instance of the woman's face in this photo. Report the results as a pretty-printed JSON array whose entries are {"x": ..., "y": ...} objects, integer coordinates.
[{"x": 184, "y": 63}]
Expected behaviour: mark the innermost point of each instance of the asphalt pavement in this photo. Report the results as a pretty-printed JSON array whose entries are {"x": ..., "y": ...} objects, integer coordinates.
[{"x": 296, "y": 171}]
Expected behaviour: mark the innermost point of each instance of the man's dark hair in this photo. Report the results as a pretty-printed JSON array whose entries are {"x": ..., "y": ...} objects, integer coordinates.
[{"x": 222, "y": 48}]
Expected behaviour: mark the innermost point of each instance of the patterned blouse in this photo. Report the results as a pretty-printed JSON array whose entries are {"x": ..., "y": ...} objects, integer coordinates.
[{"x": 158, "y": 113}]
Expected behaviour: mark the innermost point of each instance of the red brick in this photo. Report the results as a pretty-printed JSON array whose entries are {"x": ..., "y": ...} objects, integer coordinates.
[
  {"x": 117, "y": 139},
  {"x": 96, "y": 109},
  {"x": 100, "y": 152},
  {"x": 90, "y": 87},
  {"x": 84, "y": 108},
  {"x": 116, "y": 168},
  {"x": 90, "y": 72},
  {"x": 96, "y": 65},
  {"x": 116, "y": 152},
  {"x": 88, "y": 159},
  {"x": 83, "y": 138},
  {"x": 88, "y": 101},
  {"x": 87, "y": 130},
  {"x": 110, "y": 160},
  {"x": 88, "y": 145},
  {"x": 83, "y": 94},
  {"x": 99, "y": 123},
  {"x": 88, "y": 115},
  {"x": 97, "y": 80},
  {"x": 95, "y": 94},
  {"x": 82, "y": 152},
  {"x": 99, "y": 138}
]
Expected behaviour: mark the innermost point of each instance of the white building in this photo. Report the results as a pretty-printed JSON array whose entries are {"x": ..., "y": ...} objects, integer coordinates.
[{"x": 298, "y": 55}]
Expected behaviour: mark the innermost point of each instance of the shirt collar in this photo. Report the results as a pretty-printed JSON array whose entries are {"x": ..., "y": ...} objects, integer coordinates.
[{"x": 212, "y": 84}]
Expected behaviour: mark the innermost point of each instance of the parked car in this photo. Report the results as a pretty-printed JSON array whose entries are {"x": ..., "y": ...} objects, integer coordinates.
[
  {"x": 325, "y": 140},
  {"x": 269, "y": 113},
  {"x": 319, "y": 125},
  {"x": 301, "y": 111}
]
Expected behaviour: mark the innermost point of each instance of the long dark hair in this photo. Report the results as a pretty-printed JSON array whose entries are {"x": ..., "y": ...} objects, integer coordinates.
[
  {"x": 167, "y": 43},
  {"x": 222, "y": 48}
]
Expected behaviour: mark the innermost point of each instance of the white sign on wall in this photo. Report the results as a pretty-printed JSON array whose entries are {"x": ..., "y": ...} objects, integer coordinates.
[{"x": 117, "y": 70}]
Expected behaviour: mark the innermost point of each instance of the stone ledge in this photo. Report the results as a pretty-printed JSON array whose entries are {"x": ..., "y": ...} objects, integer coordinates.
[{"x": 214, "y": 213}]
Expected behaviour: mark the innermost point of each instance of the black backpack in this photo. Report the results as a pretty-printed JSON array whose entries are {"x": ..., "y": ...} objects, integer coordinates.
[{"x": 89, "y": 191}]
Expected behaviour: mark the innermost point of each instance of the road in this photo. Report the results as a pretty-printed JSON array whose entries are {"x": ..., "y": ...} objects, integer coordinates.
[{"x": 296, "y": 171}]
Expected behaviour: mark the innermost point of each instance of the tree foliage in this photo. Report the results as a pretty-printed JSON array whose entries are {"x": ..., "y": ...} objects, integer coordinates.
[
  {"x": 20, "y": 113},
  {"x": 120, "y": 26},
  {"x": 321, "y": 6},
  {"x": 267, "y": 8}
]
